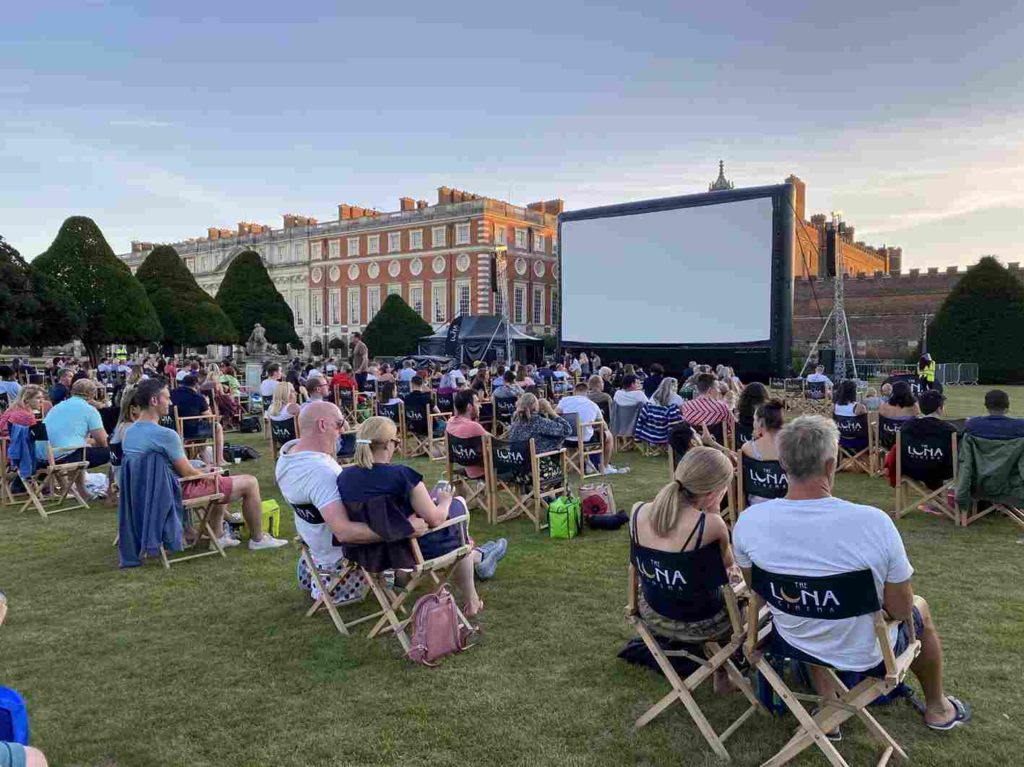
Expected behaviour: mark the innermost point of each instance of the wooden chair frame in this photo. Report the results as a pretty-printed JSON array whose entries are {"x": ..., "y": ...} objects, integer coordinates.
[
  {"x": 921, "y": 494},
  {"x": 437, "y": 570},
  {"x": 349, "y": 410},
  {"x": 200, "y": 507},
  {"x": 59, "y": 480},
  {"x": 501, "y": 424},
  {"x": 624, "y": 442},
  {"x": 194, "y": 445},
  {"x": 423, "y": 444},
  {"x": 325, "y": 582},
  {"x": 474, "y": 495},
  {"x": 399, "y": 425},
  {"x": 851, "y": 702},
  {"x": 533, "y": 503},
  {"x": 579, "y": 452},
  {"x": 862, "y": 460},
  {"x": 716, "y": 656}
]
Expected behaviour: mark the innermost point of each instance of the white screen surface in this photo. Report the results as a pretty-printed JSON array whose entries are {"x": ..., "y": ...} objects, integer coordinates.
[{"x": 698, "y": 275}]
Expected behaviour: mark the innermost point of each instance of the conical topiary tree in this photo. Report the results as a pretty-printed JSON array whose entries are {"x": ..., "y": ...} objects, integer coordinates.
[
  {"x": 189, "y": 315},
  {"x": 247, "y": 295},
  {"x": 114, "y": 306},
  {"x": 982, "y": 321},
  {"x": 396, "y": 329}
]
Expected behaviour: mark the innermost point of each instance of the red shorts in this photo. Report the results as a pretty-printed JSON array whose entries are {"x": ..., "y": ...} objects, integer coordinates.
[{"x": 201, "y": 487}]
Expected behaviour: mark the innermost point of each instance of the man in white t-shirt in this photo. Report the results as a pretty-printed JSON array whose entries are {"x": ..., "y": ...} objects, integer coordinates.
[
  {"x": 811, "y": 533},
  {"x": 407, "y": 372},
  {"x": 274, "y": 376},
  {"x": 631, "y": 392},
  {"x": 587, "y": 411},
  {"x": 307, "y": 474},
  {"x": 818, "y": 376}
]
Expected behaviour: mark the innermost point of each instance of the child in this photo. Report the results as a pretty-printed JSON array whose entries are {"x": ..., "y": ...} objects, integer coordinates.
[{"x": 872, "y": 401}]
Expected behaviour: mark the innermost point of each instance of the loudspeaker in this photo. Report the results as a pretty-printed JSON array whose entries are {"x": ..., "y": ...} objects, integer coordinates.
[
  {"x": 830, "y": 251},
  {"x": 827, "y": 357}
]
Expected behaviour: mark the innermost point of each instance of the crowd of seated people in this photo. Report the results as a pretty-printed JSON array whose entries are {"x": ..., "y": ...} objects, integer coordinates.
[{"x": 587, "y": 412}]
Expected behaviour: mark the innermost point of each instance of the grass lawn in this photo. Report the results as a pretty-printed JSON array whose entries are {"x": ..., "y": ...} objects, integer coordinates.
[{"x": 213, "y": 663}]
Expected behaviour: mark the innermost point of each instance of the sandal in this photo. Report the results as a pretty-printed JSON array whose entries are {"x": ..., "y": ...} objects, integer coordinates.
[{"x": 962, "y": 715}]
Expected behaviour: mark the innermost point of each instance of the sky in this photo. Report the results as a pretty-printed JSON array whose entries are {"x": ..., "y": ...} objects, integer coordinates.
[{"x": 161, "y": 119}]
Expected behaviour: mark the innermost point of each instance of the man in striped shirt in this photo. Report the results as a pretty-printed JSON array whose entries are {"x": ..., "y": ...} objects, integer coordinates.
[{"x": 706, "y": 409}]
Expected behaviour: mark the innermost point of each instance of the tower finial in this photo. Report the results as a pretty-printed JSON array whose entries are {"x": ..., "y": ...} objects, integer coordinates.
[{"x": 721, "y": 183}]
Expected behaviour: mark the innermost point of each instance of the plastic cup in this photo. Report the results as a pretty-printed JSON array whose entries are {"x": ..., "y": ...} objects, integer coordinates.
[{"x": 238, "y": 459}]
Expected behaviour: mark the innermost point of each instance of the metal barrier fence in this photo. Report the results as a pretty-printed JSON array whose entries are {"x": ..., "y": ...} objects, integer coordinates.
[
  {"x": 957, "y": 373},
  {"x": 947, "y": 373}
]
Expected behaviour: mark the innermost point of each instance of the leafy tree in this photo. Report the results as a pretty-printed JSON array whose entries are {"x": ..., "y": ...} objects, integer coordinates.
[
  {"x": 247, "y": 295},
  {"x": 34, "y": 310},
  {"x": 316, "y": 347},
  {"x": 114, "y": 306},
  {"x": 338, "y": 344},
  {"x": 189, "y": 315},
  {"x": 982, "y": 321},
  {"x": 395, "y": 329}
]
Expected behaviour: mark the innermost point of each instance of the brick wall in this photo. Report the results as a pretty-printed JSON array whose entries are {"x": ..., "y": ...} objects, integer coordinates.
[{"x": 885, "y": 312}]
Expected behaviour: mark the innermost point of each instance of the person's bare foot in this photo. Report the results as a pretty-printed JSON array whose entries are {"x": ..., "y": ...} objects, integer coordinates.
[
  {"x": 473, "y": 608},
  {"x": 940, "y": 715}
]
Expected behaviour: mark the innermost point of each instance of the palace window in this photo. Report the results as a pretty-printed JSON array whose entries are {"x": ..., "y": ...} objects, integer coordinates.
[
  {"x": 416, "y": 239},
  {"x": 373, "y": 244},
  {"x": 462, "y": 234},
  {"x": 353, "y": 246},
  {"x": 353, "y": 306},
  {"x": 438, "y": 237},
  {"x": 394, "y": 242}
]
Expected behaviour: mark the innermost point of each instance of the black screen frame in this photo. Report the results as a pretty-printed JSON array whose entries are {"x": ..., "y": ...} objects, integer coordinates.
[{"x": 756, "y": 359}]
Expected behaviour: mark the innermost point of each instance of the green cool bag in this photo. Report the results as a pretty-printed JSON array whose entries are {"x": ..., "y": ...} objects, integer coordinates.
[{"x": 565, "y": 517}]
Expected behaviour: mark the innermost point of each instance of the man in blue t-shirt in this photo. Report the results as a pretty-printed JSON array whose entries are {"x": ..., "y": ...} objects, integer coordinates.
[
  {"x": 74, "y": 425},
  {"x": 8, "y": 385},
  {"x": 996, "y": 425},
  {"x": 62, "y": 389},
  {"x": 147, "y": 435}
]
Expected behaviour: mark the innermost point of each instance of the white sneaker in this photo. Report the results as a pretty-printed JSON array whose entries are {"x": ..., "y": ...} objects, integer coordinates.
[
  {"x": 267, "y": 542},
  {"x": 226, "y": 541}
]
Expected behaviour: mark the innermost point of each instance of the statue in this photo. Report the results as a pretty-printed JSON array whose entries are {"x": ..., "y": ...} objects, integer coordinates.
[{"x": 257, "y": 345}]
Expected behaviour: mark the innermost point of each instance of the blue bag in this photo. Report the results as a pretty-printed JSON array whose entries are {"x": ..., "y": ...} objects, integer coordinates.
[{"x": 13, "y": 717}]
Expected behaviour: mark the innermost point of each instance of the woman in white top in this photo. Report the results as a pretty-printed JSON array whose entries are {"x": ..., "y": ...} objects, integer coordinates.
[
  {"x": 285, "y": 403},
  {"x": 845, "y": 399}
]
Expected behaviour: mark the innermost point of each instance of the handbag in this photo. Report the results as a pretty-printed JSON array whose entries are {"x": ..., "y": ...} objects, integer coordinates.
[
  {"x": 597, "y": 499},
  {"x": 437, "y": 630}
]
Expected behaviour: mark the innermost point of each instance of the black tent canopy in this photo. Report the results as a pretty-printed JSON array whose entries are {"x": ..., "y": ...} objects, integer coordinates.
[{"x": 478, "y": 332}]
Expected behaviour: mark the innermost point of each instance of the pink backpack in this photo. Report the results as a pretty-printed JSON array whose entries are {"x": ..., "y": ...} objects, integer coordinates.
[{"x": 436, "y": 629}]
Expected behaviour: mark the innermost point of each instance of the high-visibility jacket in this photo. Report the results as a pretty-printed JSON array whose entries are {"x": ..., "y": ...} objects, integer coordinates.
[{"x": 928, "y": 372}]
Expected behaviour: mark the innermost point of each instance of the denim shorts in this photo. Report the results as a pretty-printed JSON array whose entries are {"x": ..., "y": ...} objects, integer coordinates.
[{"x": 784, "y": 649}]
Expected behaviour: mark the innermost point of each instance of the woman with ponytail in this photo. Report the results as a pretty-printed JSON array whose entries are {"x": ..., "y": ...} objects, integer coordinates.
[{"x": 683, "y": 518}]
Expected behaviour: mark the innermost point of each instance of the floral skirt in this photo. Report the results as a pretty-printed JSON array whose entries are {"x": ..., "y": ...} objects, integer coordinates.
[{"x": 718, "y": 626}]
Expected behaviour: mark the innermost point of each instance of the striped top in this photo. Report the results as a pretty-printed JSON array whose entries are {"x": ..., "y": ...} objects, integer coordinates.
[
  {"x": 704, "y": 410},
  {"x": 652, "y": 423}
]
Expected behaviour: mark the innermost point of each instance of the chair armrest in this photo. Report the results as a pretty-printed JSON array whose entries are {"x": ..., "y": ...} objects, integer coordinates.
[
  {"x": 447, "y": 523},
  {"x": 551, "y": 453},
  {"x": 214, "y": 471}
]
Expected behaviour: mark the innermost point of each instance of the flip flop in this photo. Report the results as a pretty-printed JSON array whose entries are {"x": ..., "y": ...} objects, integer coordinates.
[{"x": 962, "y": 715}]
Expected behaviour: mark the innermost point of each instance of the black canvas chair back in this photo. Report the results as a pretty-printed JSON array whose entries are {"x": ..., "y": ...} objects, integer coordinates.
[
  {"x": 927, "y": 459},
  {"x": 887, "y": 428},
  {"x": 606, "y": 411},
  {"x": 815, "y": 389},
  {"x": 109, "y": 415},
  {"x": 744, "y": 433},
  {"x": 38, "y": 432},
  {"x": 717, "y": 430},
  {"x": 403, "y": 388},
  {"x": 116, "y": 454},
  {"x": 167, "y": 421},
  {"x": 347, "y": 445},
  {"x": 446, "y": 403},
  {"x": 512, "y": 462},
  {"x": 485, "y": 415},
  {"x": 672, "y": 575},
  {"x": 534, "y": 390},
  {"x": 346, "y": 397},
  {"x": 416, "y": 420},
  {"x": 505, "y": 408},
  {"x": 830, "y": 598},
  {"x": 4, "y": 402},
  {"x": 283, "y": 431},
  {"x": 466, "y": 452},
  {"x": 765, "y": 479},
  {"x": 853, "y": 430},
  {"x": 393, "y": 411},
  {"x": 793, "y": 386}
]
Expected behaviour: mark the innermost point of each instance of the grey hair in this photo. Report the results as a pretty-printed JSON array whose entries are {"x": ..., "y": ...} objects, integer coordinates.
[
  {"x": 806, "y": 444},
  {"x": 663, "y": 394}
]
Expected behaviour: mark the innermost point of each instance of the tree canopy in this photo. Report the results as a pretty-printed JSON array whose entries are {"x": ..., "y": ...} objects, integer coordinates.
[
  {"x": 395, "y": 329},
  {"x": 982, "y": 321},
  {"x": 114, "y": 305},
  {"x": 247, "y": 295},
  {"x": 34, "y": 310},
  {"x": 189, "y": 315}
]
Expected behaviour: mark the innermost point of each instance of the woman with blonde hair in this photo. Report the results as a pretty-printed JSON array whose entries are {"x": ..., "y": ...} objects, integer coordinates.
[
  {"x": 655, "y": 416},
  {"x": 128, "y": 415},
  {"x": 373, "y": 478},
  {"x": 227, "y": 405},
  {"x": 537, "y": 419},
  {"x": 682, "y": 519},
  {"x": 23, "y": 410},
  {"x": 284, "y": 404}
]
